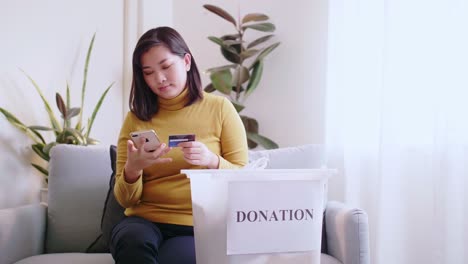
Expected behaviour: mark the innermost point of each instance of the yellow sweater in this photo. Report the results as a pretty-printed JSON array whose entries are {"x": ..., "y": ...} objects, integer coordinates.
[{"x": 163, "y": 193}]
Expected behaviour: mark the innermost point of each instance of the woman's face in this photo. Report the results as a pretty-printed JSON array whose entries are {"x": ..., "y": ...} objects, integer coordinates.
[{"x": 164, "y": 72}]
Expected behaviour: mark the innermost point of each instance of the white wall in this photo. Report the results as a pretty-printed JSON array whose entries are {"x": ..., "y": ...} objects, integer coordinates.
[
  {"x": 49, "y": 40},
  {"x": 289, "y": 103}
]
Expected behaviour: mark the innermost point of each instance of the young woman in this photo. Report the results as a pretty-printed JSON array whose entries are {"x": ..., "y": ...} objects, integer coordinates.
[{"x": 167, "y": 96}]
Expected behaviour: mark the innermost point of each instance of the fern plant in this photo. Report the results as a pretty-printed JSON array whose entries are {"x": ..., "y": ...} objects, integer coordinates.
[{"x": 64, "y": 131}]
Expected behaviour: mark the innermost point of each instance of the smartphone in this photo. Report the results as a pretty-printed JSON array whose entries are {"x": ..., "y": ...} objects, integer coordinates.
[{"x": 152, "y": 141}]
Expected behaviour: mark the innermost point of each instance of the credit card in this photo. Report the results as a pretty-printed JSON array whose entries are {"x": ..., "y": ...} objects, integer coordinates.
[{"x": 176, "y": 139}]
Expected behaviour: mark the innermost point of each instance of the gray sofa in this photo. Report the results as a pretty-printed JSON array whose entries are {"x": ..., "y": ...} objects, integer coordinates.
[{"x": 61, "y": 231}]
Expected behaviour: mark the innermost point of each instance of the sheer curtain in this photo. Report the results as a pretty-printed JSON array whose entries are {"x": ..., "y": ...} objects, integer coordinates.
[{"x": 397, "y": 124}]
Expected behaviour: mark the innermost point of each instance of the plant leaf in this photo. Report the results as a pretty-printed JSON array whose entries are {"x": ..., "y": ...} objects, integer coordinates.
[
  {"x": 259, "y": 41},
  {"x": 209, "y": 88},
  {"x": 61, "y": 105},
  {"x": 248, "y": 53},
  {"x": 73, "y": 112},
  {"x": 222, "y": 81},
  {"x": 230, "y": 42},
  {"x": 96, "y": 109},
  {"x": 68, "y": 95},
  {"x": 262, "y": 140},
  {"x": 85, "y": 78},
  {"x": 254, "y": 17},
  {"x": 92, "y": 141},
  {"x": 221, "y": 12},
  {"x": 41, "y": 169},
  {"x": 239, "y": 107},
  {"x": 215, "y": 69},
  {"x": 73, "y": 135},
  {"x": 38, "y": 149},
  {"x": 43, "y": 128},
  {"x": 220, "y": 42},
  {"x": 67, "y": 122},
  {"x": 48, "y": 147},
  {"x": 265, "y": 27},
  {"x": 35, "y": 136},
  {"x": 265, "y": 52},
  {"x": 241, "y": 75},
  {"x": 13, "y": 120},
  {"x": 254, "y": 78},
  {"x": 53, "y": 120}
]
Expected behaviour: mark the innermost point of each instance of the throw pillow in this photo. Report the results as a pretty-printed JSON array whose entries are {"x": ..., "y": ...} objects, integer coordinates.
[{"x": 112, "y": 213}]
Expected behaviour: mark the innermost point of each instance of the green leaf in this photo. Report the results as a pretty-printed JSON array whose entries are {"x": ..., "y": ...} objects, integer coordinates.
[
  {"x": 61, "y": 105},
  {"x": 221, "y": 12},
  {"x": 35, "y": 136},
  {"x": 209, "y": 88},
  {"x": 241, "y": 75},
  {"x": 265, "y": 52},
  {"x": 262, "y": 140},
  {"x": 230, "y": 56},
  {"x": 43, "y": 128},
  {"x": 239, "y": 107},
  {"x": 67, "y": 122},
  {"x": 85, "y": 78},
  {"x": 72, "y": 136},
  {"x": 40, "y": 169},
  {"x": 230, "y": 42},
  {"x": 259, "y": 41},
  {"x": 96, "y": 109},
  {"x": 220, "y": 42},
  {"x": 48, "y": 147},
  {"x": 254, "y": 17},
  {"x": 53, "y": 120},
  {"x": 264, "y": 27},
  {"x": 38, "y": 149},
  {"x": 254, "y": 78},
  {"x": 92, "y": 141},
  {"x": 248, "y": 53},
  {"x": 13, "y": 120},
  {"x": 215, "y": 69},
  {"x": 68, "y": 95},
  {"x": 221, "y": 81}
]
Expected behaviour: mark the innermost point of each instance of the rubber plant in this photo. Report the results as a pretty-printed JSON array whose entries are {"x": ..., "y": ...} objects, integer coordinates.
[
  {"x": 240, "y": 78},
  {"x": 64, "y": 131}
]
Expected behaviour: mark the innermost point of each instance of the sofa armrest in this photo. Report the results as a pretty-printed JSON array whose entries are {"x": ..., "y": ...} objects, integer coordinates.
[
  {"x": 347, "y": 233},
  {"x": 22, "y": 232}
]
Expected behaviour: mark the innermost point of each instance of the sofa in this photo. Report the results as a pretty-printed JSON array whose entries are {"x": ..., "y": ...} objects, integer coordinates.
[{"x": 62, "y": 230}]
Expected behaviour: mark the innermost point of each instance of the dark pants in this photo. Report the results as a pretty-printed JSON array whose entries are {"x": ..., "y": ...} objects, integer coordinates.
[{"x": 136, "y": 240}]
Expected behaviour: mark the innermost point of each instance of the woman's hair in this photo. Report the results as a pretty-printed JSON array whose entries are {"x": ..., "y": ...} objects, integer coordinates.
[{"x": 143, "y": 101}]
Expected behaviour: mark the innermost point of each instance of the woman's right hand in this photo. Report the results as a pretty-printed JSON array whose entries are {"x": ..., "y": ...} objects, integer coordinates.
[{"x": 138, "y": 159}]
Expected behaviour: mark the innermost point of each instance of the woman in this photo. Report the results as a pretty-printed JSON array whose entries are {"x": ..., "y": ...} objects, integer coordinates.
[{"x": 167, "y": 96}]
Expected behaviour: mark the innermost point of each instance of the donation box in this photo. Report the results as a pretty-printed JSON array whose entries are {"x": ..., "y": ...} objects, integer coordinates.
[{"x": 258, "y": 216}]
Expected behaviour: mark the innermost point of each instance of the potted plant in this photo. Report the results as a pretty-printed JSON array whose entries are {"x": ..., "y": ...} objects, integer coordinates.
[
  {"x": 64, "y": 131},
  {"x": 239, "y": 79}
]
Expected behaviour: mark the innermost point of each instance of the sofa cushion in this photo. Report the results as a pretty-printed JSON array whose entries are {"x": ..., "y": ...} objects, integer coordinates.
[
  {"x": 112, "y": 212},
  {"x": 309, "y": 156},
  {"x": 76, "y": 194},
  {"x": 69, "y": 258}
]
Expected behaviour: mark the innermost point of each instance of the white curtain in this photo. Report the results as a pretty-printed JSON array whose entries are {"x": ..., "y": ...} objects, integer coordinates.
[{"x": 397, "y": 124}]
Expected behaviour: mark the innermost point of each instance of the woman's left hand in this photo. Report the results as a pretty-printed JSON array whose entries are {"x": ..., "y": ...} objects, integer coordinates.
[{"x": 196, "y": 153}]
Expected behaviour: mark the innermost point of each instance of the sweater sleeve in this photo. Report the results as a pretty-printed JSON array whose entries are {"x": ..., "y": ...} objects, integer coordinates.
[
  {"x": 234, "y": 150},
  {"x": 127, "y": 194}
]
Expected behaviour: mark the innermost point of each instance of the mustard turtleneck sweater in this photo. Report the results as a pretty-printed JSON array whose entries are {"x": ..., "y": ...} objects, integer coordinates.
[{"x": 162, "y": 194}]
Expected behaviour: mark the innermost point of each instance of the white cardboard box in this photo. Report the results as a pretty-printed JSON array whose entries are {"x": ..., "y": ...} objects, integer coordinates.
[{"x": 258, "y": 216}]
